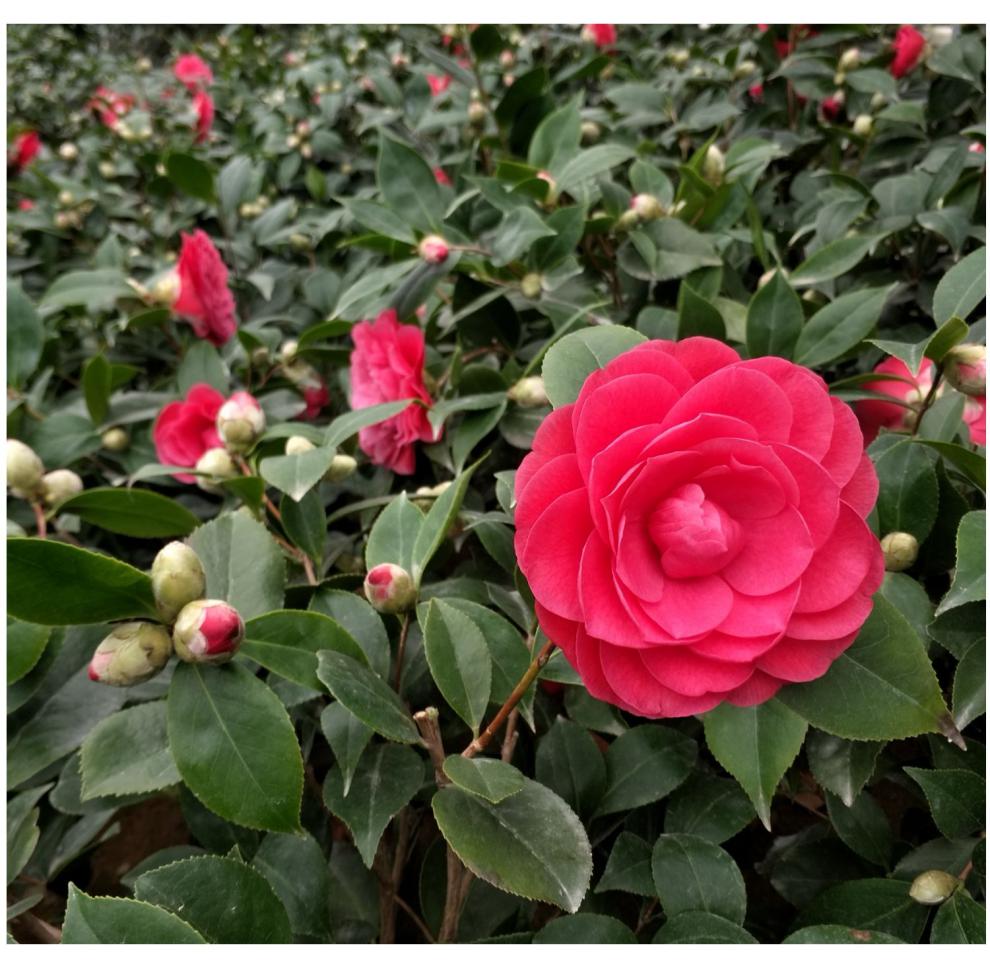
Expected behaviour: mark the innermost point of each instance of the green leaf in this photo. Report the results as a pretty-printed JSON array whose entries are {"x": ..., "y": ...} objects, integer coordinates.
[
  {"x": 837, "y": 934},
  {"x": 882, "y": 688},
  {"x": 407, "y": 184},
  {"x": 700, "y": 927},
  {"x": 22, "y": 828},
  {"x": 840, "y": 325},
  {"x": 378, "y": 218},
  {"x": 962, "y": 289},
  {"x": 438, "y": 521},
  {"x": 569, "y": 762},
  {"x": 691, "y": 873},
  {"x": 360, "y": 620},
  {"x": 644, "y": 765},
  {"x": 243, "y": 563},
  {"x": 227, "y": 901},
  {"x": 287, "y": 642},
  {"x": 666, "y": 249},
  {"x": 756, "y": 744},
  {"x": 191, "y": 175},
  {"x": 969, "y": 688},
  {"x": 490, "y": 779},
  {"x": 531, "y": 844},
  {"x": 305, "y": 523},
  {"x": 556, "y": 140},
  {"x": 119, "y": 920},
  {"x": 958, "y": 799},
  {"x": 295, "y": 475},
  {"x": 97, "y": 383},
  {"x": 350, "y": 423},
  {"x": 93, "y": 290},
  {"x": 969, "y": 584},
  {"x": 91, "y": 588},
  {"x": 572, "y": 359},
  {"x": 869, "y": 904},
  {"x": 25, "y": 644},
  {"x": 386, "y": 779},
  {"x": 394, "y": 535},
  {"x": 774, "y": 319},
  {"x": 25, "y": 336},
  {"x": 297, "y": 871},
  {"x": 697, "y": 316},
  {"x": 908, "y": 498},
  {"x": 842, "y": 766},
  {"x": 235, "y": 746},
  {"x": 367, "y": 696},
  {"x": 946, "y": 338},
  {"x": 708, "y": 807},
  {"x": 128, "y": 753},
  {"x": 960, "y": 920},
  {"x": 233, "y": 184},
  {"x": 347, "y": 737},
  {"x": 458, "y": 660},
  {"x": 585, "y": 928},
  {"x": 519, "y": 229},
  {"x": 834, "y": 259},
  {"x": 972, "y": 465},
  {"x": 629, "y": 868},
  {"x": 202, "y": 364},
  {"x": 863, "y": 828},
  {"x": 591, "y": 163},
  {"x": 132, "y": 512}
]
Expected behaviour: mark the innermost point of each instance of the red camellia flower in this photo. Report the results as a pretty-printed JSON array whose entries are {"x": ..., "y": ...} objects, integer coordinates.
[
  {"x": 912, "y": 388},
  {"x": 756, "y": 92},
  {"x": 692, "y": 528},
  {"x": 184, "y": 430},
  {"x": 832, "y": 108},
  {"x": 441, "y": 176},
  {"x": 316, "y": 396},
  {"x": 110, "y": 106},
  {"x": 193, "y": 72},
  {"x": 203, "y": 103},
  {"x": 908, "y": 47},
  {"x": 438, "y": 84},
  {"x": 25, "y": 204},
  {"x": 23, "y": 150},
  {"x": 387, "y": 365},
  {"x": 204, "y": 298},
  {"x": 600, "y": 34}
]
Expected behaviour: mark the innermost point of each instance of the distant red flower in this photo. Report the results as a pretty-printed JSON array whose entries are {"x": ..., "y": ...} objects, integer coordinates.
[
  {"x": 438, "y": 84},
  {"x": 24, "y": 150},
  {"x": 908, "y": 47},
  {"x": 977, "y": 148},
  {"x": 600, "y": 34},
  {"x": 203, "y": 103},
  {"x": 317, "y": 397},
  {"x": 783, "y": 48},
  {"x": 110, "y": 106},
  {"x": 832, "y": 108},
  {"x": 184, "y": 430},
  {"x": 204, "y": 298},
  {"x": 25, "y": 204},
  {"x": 193, "y": 72},
  {"x": 756, "y": 92},
  {"x": 441, "y": 175}
]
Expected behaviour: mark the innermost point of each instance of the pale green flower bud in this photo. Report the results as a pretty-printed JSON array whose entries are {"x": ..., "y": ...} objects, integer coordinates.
[
  {"x": 217, "y": 465},
  {"x": 115, "y": 439},
  {"x": 240, "y": 422},
  {"x": 900, "y": 550},
  {"x": 531, "y": 285},
  {"x": 60, "y": 485},
  {"x": 340, "y": 468},
  {"x": 590, "y": 132},
  {"x": 646, "y": 206},
  {"x": 297, "y": 444},
  {"x": 68, "y": 151},
  {"x": 933, "y": 887},
  {"x": 849, "y": 59},
  {"x": 24, "y": 469},
  {"x": 131, "y": 654},
  {"x": 713, "y": 168},
  {"x": 530, "y": 392},
  {"x": 863, "y": 125},
  {"x": 177, "y": 578}
]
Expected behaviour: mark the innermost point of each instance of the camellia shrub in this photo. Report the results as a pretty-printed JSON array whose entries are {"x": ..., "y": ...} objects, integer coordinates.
[{"x": 496, "y": 483}]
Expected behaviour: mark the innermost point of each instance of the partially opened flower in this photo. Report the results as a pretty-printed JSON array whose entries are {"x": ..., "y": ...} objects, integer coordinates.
[
  {"x": 204, "y": 298},
  {"x": 185, "y": 430},
  {"x": 692, "y": 528},
  {"x": 438, "y": 84},
  {"x": 386, "y": 366},
  {"x": 203, "y": 105},
  {"x": 23, "y": 150},
  {"x": 908, "y": 45},
  {"x": 193, "y": 72}
]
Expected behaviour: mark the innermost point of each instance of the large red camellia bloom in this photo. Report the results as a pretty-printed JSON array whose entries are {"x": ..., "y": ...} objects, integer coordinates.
[
  {"x": 204, "y": 298},
  {"x": 193, "y": 72},
  {"x": 908, "y": 47},
  {"x": 184, "y": 430},
  {"x": 386, "y": 366},
  {"x": 692, "y": 528}
]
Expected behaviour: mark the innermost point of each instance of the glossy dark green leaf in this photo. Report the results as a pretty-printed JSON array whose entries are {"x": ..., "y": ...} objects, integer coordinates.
[
  {"x": 709, "y": 807},
  {"x": 25, "y": 336},
  {"x": 962, "y": 289},
  {"x": 774, "y": 319},
  {"x": 347, "y": 737},
  {"x": 693, "y": 874},
  {"x": 908, "y": 499},
  {"x": 837, "y": 934},
  {"x": 863, "y": 828},
  {"x": 26, "y": 643},
  {"x": 701, "y": 927},
  {"x": 360, "y": 620},
  {"x": 960, "y": 920},
  {"x": 871, "y": 904},
  {"x": 585, "y": 928},
  {"x": 408, "y": 185},
  {"x": 969, "y": 583},
  {"x": 297, "y": 871},
  {"x": 629, "y": 868},
  {"x": 191, "y": 175},
  {"x": 958, "y": 799},
  {"x": 569, "y": 362},
  {"x": 438, "y": 521},
  {"x": 97, "y": 383},
  {"x": 295, "y": 475},
  {"x": 839, "y": 326},
  {"x": 842, "y": 766},
  {"x": 119, "y": 920},
  {"x": 696, "y": 316},
  {"x": 834, "y": 259},
  {"x": 490, "y": 779},
  {"x": 969, "y": 687},
  {"x": 394, "y": 534},
  {"x": 570, "y": 763},
  {"x": 132, "y": 512}
]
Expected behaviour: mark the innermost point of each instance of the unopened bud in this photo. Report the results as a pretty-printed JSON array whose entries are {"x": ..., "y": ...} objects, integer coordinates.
[
  {"x": 24, "y": 469},
  {"x": 115, "y": 439},
  {"x": 646, "y": 206},
  {"x": 433, "y": 249},
  {"x": 306, "y": 150},
  {"x": 216, "y": 465},
  {"x": 143, "y": 64},
  {"x": 298, "y": 444},
  {"x": 248, "y": 210},
  {"x": 300, "y": 242},
  {"x": 939, "y": 36},
  {"x": 966, "y": 369},
  {"x": 839, "y": 78},
  {"x": 877, "y": 101},
  {"x": 66, "y": 198},
  {"x": 551, "y": 195},
  {"x": 292, "y": 142},
  {"x": 340, "y": 468},
  {"x": 240, "y": 422},
  {"x": 131, "y": 654},
  {"x": 933, "y": 887},
  {"x": 68, "y": 151},
  {"x": 260, "y": 355},
  {"x": 477, "y": 113},
  {"x": 207, "y": 631},
  {"x": 590, "y": 132},
  {"x": 745, "y": 68},
  {"x": 679, "y": 57},
  {"x": 530, "y": 392},
  {"x": 177, "y": 578},
  {"x": 849, "y": 59},
  {"x": 863, "y": 125},
  {"x": 627, "y": 220},
  {"x": 303, "y": 129},
  {"x": 165, "y": 291},
  {"x": 900, "y": 549},
  {"x": 389, "y": 588},
  {"x": 288, "y": 351},
  {"x": 531, "y": 285},
  {"x": 60, "y": 485},
  {"x": 713, "y": 167},
  {"x": 107, "y": 169},
  {"x": 506, "y": 58}
]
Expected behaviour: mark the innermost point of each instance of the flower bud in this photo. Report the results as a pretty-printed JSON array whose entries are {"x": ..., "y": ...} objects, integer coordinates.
[
  {"x": 107, "y": 169},
  {"x": 679, "y": 57},
  {"x": 207, "y": 631},
  {"x": 933, "y": 887},
  {"x": 939, "y": 36},
  {"x": 24, "y": 469},
  {"x": 433, "y": 249},
  {"x": 340, "y": 468},
  {"x": 143, "y": 64},
  {"x": 713, "y": 167},
  {"x": 260, "y": 356},
  {"x": 60, "y": 485},
  {"x": 476, "y": 113},
  {"x": 900, "y": 549},
  {"x": 849, "y": 59},
  {"x": 165, "y": 290},
  {"x": 551, "y": 195},
  {"x": 300, "y": 242},
  {"x": 303, "y": 129},
  {"x": 590, "y": 132},
  {"x": 298, "y": 444},
  {"x": 767, "y": 276},
  {"x": 646, "y": 206},
  {"x": 216, "y": 464},
  {"x": 389, "y": 588},
  {"x": 115, "y": 439},
  {"x": 627, "y": 220},
  {"x": 531, "y": 285},
  {"x": 240, "y": 422},
  {"x": 292, "y": 142},
  {"x": 966, "y": 369},
  {"x": 506, "y": 58},
  {"x": 68, "y": 151},
  {"x": 66, "y": 198},
  {"x": 863, "y": 125},
  {"x": 877, "y": 101},
  {"x": 745, "y": 68},
  {"x": 177, "y": 578},
  {"x": 131, "y": 654},
  {"x": 288, "y": 351},
  {"x": 306, "y": 150},
  {"x": 529, "y": 392}
]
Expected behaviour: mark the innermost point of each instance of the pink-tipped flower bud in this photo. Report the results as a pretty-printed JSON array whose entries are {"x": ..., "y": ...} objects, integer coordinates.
[
  {"x": 900, "y": 550},
  {"x": 216, "y": 465},
  {"x": 933, "y": 887},
  {"x": 240, "y": 422},
  {"x": 177, "y": 579},
  {"x": 207, "y": 631},
  {"x": 24, "y": 469},
  {"x": 60, "y": 485},
  {"x": 966, "y": 369},
  {"x": 433, "y": 249},
  {"x": 646, "y": 206},
  {"x": 552, "y": 193},
  {"x": 131, "y": 654},
  {"x": 115, "y": 439},
  {"x": 530, "y": 392},
  {"x": 389, "y": 588}
]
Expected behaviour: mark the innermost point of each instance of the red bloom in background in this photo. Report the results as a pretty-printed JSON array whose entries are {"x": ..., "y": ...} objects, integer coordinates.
[
  {"x": 25, "y": 204},
  {"x": 438, "y": 84},
  {"x": 441, "y": 175},
  {"x": 600, "y": 34},
  {"x": 193, "y": 72},
  {"x": 184, "y": 430},
  {"x": 875, "y": 414},
  {"x": 832, "y": 108},
  {"x": 203, "y": 103},
  {"x": 386, "y": 366},
  {"x": 316, "y": 395},
  {"x": 908, "y": 47},
  {"x": 23, "y": 150},
  {"x": 692, "y": 528},
  {"x": 204, "y": 298},
  {"x": 110, "y": 106},
  {"x": 756, "y": 92}
]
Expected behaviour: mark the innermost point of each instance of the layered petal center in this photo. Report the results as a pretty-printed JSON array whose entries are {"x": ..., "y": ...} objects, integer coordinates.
[{"x": 695, "y": 536}]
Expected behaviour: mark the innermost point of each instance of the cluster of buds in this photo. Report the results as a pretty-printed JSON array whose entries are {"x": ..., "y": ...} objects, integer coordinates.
[
  {"x": 965, "y": 368},
  {"x": 389, "y": 588},
  {"x": 28, "y": 480},
  {"x": 434, "y": 249},
  {"x": 529, "y": 392},
  {"x": 252, "y": 209},
  {"x": 240, "y": 422},
  {"x": 341, "y": 466}
]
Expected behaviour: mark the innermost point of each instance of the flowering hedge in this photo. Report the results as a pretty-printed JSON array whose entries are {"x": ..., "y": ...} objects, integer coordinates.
[{"x": 517, "y": 484}]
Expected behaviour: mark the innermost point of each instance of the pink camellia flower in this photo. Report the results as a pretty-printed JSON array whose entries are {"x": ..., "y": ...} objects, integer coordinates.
[
  {"x": 912, "y": 388},
  {"x": 908, "y": 47},
  {"x": 25, "y": 204},
  {"x": 600, "y": 34},
  {"x": 23, "y": 150},
  {"x": 441, "y": 175},
  {"x": 193, "y": 72},
  {"x": 185, "y": 430},
  {"x": 438, "y": 84},
  {"x": 692, "y": 528},
  {"x": 207, "y": 631},
  {"x": 204, "y": 298},
  {"x": 203, "y": 104},
  {"x": 386, "y": 366},
  {"x": 977, "y": 148}
]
